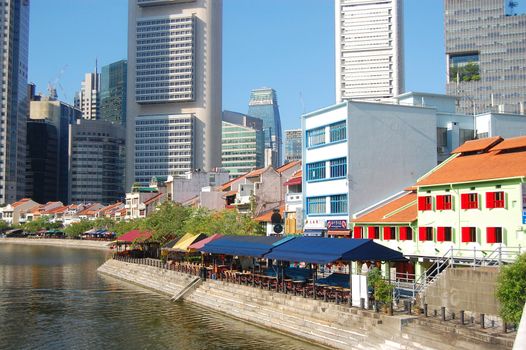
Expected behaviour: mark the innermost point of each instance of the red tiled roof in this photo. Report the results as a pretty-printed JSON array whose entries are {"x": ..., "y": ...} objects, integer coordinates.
[
  {"x": 288, "y": 166},
  {"x": 20, "y": 202},
  {"x": 392, "y": 212},
  {"x": 265, "y": 217},
  {"x": 135, "y": 235},
  {"x": 511, "y": 143},
  {"x": 154, "y": 198},
  {"x": 58, "y": 210},
  {"x": 256, "y": 172},
  {"x": 478, "y": 145}
]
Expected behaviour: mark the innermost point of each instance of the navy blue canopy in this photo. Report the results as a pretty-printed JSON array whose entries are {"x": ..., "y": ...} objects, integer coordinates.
[
  {"x": 325, "y": 250},
  {"x": 255, "y": 246}
]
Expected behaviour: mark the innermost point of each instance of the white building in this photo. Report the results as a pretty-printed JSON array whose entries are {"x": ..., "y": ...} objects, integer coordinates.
[
  {"x": 174, "y": 70},
  {"x": 182, "y": 189},
  {"x": 88, "y": 98},
  {"x": 369, "y": 49}
]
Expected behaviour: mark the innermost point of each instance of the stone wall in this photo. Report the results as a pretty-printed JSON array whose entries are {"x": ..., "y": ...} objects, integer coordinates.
[{"x": 69, "y": 243}]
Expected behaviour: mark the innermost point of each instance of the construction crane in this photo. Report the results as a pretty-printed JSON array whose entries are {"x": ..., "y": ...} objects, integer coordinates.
[{"x": 52, "y": 85}]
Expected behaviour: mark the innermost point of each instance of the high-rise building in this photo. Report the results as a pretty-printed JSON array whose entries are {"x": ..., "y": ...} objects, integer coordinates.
[
  {"x": 292, "y": 145},
  {"x": 88, "y": 98},
  {"x": 96, "y": 162},
  {"x": 369, "y": 49},
  {"x": 14, "y": 27},
  {"x": 113, "y": 81},
  {"x": 60, "y": 115},
  {"x": 243, "y": 145},
  {"x": 486, "y": 56},
  {"x": 263, "y": 104},
  {"x": 175, "y": 73}
]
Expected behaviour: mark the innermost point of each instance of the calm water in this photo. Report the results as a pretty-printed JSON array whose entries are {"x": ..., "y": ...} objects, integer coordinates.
[{"x": 53, "y": 298}]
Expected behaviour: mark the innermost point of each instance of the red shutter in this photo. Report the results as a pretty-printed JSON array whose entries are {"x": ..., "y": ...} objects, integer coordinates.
[
  {"x": 491, "y": 235},
  {"x": 421, "y": 203},
  {"x": 422, "y": 233},
  {"x": 464, "y": 199},
  {"x": 403, "y": 233},
  {"x": 357, "y": 232},
  {"x": 441, "y": 234},
  {"x": 490, "y": 199},
  {"x": 387, "y": 232},
  {"x": 440, "y": 202},
  {"x": 370, "y": 231},
  {"x": 466, "y": 237}
]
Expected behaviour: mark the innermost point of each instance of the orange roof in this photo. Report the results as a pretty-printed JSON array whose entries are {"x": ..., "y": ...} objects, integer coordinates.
[
  {"x": 288, "y": 166},
  {"x": 20, "y": 202},
  {"x": 265, "y": 217},
  {"x": 478, "y": 145},
  {"x": 478, "y": 167},
  {"x": 154, "y": 198},
  {"x": 90, "y": 210},
  {"x": 511, "y": 143},
  {"x": 400, "y": 210},
  {"x": 58, "y": 210},
  {"x": 256, "y": 172}
]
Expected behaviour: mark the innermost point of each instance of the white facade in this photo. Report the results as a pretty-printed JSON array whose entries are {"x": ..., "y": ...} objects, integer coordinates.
[
  {"x": 191, "y": 185},
  {"x": 174, "y": 68},
  {"x": 369, "y": 49},
  {"x": 88, "y": 98}
]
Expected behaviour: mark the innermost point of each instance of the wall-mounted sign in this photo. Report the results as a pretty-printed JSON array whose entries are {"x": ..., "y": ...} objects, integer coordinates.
[{"x": 337, "y": 224}]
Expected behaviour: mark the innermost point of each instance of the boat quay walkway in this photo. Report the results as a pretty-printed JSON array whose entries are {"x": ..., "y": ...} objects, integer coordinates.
[
  {"x": 333, "y": 324},
  {"x": 59, "y": 242}
]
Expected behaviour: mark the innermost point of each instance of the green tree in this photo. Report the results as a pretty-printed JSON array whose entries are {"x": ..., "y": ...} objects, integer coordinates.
[
  {"x": 121, "y": 227},
  {"x": 167, "y": 221},
  {"x": 41, "y": 223},
  {"x": 76, "y": 229},
  {"x": 511, "y": 287},
  {"x": 230, "y": 222},
  {"x": 199, "y": 221}
]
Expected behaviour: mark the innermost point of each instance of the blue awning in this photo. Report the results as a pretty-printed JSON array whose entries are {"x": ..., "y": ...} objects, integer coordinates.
[
  {"x": 325, "y": 250},
  {"x": 255, "y": 246}
]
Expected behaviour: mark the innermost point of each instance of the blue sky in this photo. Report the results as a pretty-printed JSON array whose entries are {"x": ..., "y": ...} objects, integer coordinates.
[{"x": 287, "y": 45}]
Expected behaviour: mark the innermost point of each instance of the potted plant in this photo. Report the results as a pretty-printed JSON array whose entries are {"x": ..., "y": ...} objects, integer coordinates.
[{"x": 383, "y": 293}]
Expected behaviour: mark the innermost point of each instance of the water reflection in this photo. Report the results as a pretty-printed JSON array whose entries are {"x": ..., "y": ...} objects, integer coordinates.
[{"x": 53, "y": 298}]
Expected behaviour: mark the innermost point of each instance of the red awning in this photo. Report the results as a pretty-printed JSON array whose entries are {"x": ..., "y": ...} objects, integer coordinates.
[{"x": 293, "y": 181}]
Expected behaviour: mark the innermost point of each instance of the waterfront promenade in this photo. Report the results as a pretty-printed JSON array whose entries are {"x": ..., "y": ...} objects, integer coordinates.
[{"x": 69, "y": 243}]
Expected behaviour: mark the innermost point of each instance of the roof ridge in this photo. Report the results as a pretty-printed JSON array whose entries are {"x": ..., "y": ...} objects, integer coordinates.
[{"x": 394, "y": 212}]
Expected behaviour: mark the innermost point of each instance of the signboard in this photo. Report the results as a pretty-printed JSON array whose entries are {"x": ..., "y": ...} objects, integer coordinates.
[
  {"x": 337, "y": 224},
  {"x": 524, "y": 217}
]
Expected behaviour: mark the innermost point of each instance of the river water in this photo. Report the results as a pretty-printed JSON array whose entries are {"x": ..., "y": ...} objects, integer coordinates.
[{"x": 53, "y": 298}]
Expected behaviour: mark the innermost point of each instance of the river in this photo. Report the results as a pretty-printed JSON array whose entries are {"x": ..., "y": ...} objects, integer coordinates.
[{"x": 53, "y": 298}]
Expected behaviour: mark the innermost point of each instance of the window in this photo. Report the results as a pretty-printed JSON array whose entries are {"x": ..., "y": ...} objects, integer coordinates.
[
  {"x": 495, "y": 199},
  {"x": 339, "y": 167},
  {"x": 425, "y": 233},
  {"x": 406, "y": 233},
  {"x": 339, "y": 204},
  {"x": 315, "y": 137},
  {"x": 469, "y": 201},
  {"x": 444, "y": 202},
  {"x": 444, "y": 234},
  {"x": 494, "y": 234},
  {"x": 315, "y": 171},
  {"x": 425, "y": 203},
  {"x": 469, "y": 234},
  {"x": 389, "y": 232},
  {"x": 373, "y": 232},
  {"x": 316, "y": 205},
  {"x": 357, "y": 232},
  {"x": 338, "y": 131}
]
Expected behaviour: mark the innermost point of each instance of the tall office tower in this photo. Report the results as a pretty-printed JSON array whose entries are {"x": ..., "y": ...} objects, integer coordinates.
[
  {"x": 14, "y": 28},
  {"x": 486, "y": 55},
  {"x": 96, "y": 162},
  {"x": 243, "y": 144},
  {"x": 88, "y": 98},
  {"x": 263, "y": 104},
  {"x": 113, "y": 81},
  {"x": 60, "y": 115},
  {"x": 293, "y": 145},
  {"x": 174, "y": 87},
  {"x": 369, "y": 49}
]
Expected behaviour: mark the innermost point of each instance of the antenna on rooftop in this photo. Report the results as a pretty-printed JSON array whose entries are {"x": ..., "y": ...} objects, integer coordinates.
[{"x": 511, "y": 5}]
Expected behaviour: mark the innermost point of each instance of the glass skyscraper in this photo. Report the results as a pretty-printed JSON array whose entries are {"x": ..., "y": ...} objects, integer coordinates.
[
  {"x": 263, "y": 104},
  {"x": 113, "y": 82},
  {"x": 14, "y": 27},
  {"x": 292, "y": 145},
  {"x": 486, "y": 55}
]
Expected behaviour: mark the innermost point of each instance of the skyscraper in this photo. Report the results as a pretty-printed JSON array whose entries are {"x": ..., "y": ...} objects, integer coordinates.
[
  {"x": 174, "y": 80},
  {"x": 369, "y": 49},
  {"x": 113, "y": 81},
  {"x": 486, "y": 55},
  {"x": 88, "y": 98},
  {"x": 14, "y": 27},
  {"x": 293, "y": 145},
  {"x": 243, "y": 145},
  {"x": 263, "y": 104}
]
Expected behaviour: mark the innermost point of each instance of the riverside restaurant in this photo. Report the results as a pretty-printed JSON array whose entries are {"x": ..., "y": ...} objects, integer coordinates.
[{"x": 312, "y": 267}]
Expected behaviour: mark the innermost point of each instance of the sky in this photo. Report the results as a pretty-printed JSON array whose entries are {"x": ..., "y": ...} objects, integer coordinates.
[{"x": 284, "y": 44}]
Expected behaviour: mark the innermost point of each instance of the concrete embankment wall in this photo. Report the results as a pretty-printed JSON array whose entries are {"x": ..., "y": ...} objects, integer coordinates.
[
  {"x": 69, "y": 243},
  {"x": 335, "y": 326}
]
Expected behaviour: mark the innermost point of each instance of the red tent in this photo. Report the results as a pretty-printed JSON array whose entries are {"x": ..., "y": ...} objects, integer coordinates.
[
  {"x": 200, "y": 244},
  {"x": 134, "y": 236}
]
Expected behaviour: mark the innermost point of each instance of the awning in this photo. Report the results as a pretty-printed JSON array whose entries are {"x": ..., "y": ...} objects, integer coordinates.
[
  {"x": 293, "y": 181},
  {"x": 255, "y": 246},
  {"x": 200, "y": 244},
  {"x": 343, "y": 233},
  {"x": 134, "y": 236},
  {"x": 325, "y": 250},
  {"x": 171, "y": 243},
  {"x": 313, "y": 233},
  {"x": 186, "y": 241}
]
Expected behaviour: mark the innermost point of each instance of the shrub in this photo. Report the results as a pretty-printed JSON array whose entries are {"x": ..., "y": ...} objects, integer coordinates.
[{"x": 511, "y": 287}]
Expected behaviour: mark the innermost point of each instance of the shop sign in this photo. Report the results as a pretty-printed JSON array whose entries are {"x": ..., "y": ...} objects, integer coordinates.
[{"x": 337, "y": 224}]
